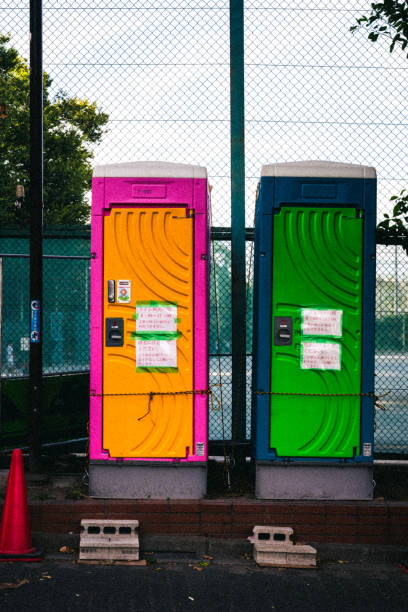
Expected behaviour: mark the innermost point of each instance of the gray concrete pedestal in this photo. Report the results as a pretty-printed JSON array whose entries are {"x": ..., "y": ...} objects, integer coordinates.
[
  {"x": 133, "y": 480},
  {"x": 314, "y": 481}
]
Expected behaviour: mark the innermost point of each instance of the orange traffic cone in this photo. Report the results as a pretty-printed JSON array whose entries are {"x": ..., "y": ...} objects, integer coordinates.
[{"x": 15, "y": 538}]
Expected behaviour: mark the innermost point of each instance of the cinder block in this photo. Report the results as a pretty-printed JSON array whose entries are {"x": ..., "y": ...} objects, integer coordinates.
[
  {"x": 103, "y": 539},
  {"x": 273, "y": 547}
]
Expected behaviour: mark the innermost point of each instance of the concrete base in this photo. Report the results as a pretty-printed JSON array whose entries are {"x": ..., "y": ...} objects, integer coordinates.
[
  {"x": 147, "y": 481},
  {"x": 301, "y": 481}
]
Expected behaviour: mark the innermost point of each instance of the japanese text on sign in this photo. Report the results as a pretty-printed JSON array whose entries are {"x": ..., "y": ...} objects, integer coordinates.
[
  {"x": 320, "y": 356},
  {"x": 156, "y": 318},
  {"x": 156, "y": 353},
  {"x": 321, "y": 322}
]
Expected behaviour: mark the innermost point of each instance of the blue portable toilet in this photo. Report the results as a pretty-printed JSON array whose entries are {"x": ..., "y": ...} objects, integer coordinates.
[{"x": 313, "y": 371}]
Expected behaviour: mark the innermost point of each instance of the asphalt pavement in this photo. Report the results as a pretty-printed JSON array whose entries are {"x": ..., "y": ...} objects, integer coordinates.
[{"x": 65, "y": 585}]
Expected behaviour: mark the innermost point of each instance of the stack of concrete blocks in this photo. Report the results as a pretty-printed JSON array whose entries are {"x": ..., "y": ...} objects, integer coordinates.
[
  {"x": 105, "y": 540},
  {"x": 273, "y": 547}
]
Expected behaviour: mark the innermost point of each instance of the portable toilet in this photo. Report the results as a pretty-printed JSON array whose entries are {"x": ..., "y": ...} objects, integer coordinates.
[
  {"x": 314, "y": 291},
  {"x": 149, "y": 320}
]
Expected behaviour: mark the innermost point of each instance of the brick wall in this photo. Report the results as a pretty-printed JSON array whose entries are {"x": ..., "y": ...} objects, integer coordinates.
[{"x": 345, "y": 522}]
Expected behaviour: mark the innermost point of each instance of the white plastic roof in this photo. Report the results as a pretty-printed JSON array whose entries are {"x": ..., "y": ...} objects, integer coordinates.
[
  {"x": 324, "y": 169},
  {"x": 150, "y": 169}
]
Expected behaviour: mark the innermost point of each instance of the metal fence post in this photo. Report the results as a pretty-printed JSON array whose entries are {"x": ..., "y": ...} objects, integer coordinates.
[
  {"x": 36, "y": 227},
  {"x": 237, "y": 222}
]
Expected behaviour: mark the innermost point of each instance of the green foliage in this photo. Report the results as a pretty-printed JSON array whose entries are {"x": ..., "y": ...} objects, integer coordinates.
[
  {"x": 390, "y": 19},
  {"x": 394, "y": 229},
  {"x": 387, "y": 19},
  {"x": 71, "y": 125},
  {"x": 220, "y": 300}
]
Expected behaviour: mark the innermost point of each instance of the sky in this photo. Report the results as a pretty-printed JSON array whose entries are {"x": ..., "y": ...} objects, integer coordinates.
[{"x": 160, "y": 69}]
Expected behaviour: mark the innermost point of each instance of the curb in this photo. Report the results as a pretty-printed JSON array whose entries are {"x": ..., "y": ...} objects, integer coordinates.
[{"x": 187, "y": 548}]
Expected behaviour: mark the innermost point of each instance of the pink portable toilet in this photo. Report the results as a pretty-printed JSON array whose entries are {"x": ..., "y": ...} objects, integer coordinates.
[{"x": 149, "y": 321}]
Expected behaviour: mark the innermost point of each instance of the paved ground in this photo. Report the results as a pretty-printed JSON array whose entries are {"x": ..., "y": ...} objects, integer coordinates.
[{"x": 229, "y": 586}]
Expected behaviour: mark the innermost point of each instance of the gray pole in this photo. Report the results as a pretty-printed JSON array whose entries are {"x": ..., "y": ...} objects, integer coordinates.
[
  {"x": 238, "y": 291},
  {"x": 36, "y": 227},
  {"x": 1, "y": 337}
]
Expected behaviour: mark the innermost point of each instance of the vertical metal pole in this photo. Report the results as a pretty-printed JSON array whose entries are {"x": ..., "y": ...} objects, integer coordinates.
[
  {"x": 36, "y": 228},
  {"x": 238, "y": 221},
  {"x": 1, "y": 321}
]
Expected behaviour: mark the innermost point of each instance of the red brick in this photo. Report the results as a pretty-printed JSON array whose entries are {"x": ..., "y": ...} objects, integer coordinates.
[
  {"x": 307, "y": 530},
  {"x": 187, "y": 506},
  {"x": 121, "y": 507},
  {"x": 349, "y": 509},
  {"x": 341, "y": 519},
  {"x": 240, "y": 530},
  {"x": 398, "y": 508},
  {"x": 343, "y": 529},
  {"x": 244, "y": 507},
  {"x": 278, "y": 519},
  {"x": 307, "y": 508},
  {"x": 186, "y": 528},
  {"x": 36, "y": 523},
  {"x": 215, "y": 529},
  {"x": 310, "y": 519},
  {"x": 59, "y": 527},
  {"x": 153, "y": 528},
  {"x": 155, "y": 518},
  {"x": 373, "y": 529},
  {"x": 184, "y": 518},
  {"x": 118, "y": 516},
  {"x": 152, "y": 506},
  {"x": 215, "y": 506},
  {"x": 278, "y": 508},
  {"x": 52, "y": 509},
  {"x": 373, "y": 511},
  {"x": 207, "y": 517},
  {"x": 398, "y": 519},
  {"x": 91, "y": 505},
  {"x": 248, "y": 519}
]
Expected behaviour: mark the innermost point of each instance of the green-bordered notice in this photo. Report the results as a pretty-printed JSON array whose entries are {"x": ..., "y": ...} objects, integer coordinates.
[
  {"x": 156, "y": 336},
  {"x": 320, "y": 356},
  {"x": 321, "y": 322}
]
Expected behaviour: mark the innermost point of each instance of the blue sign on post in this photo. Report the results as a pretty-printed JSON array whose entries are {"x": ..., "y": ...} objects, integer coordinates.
[{"x": 35, "y": 321}]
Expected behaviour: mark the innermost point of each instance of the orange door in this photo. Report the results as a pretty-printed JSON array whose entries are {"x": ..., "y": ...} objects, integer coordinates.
[{"x": 148, "y": 259}]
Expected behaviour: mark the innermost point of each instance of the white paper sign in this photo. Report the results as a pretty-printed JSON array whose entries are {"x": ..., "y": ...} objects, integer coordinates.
[
  {"x": 156, "y": 353},
  {"x": 156, "y": 318},
  {"x": 321, "y": 322},
  {"x": 320, "y": 356}
]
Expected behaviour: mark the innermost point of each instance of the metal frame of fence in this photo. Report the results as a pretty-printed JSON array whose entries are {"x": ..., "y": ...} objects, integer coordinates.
[{"x": 301, "y": 75}]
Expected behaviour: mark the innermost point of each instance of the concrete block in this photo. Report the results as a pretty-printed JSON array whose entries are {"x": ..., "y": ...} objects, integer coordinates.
[
  {"x": 274, "y": 547},
  {"x": 103, "y": 539}
]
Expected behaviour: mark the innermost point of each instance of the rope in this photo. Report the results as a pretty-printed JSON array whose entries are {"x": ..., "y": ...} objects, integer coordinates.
[
  {"x": 151, "y": 393},
  {"x": 378, "y": 404}
]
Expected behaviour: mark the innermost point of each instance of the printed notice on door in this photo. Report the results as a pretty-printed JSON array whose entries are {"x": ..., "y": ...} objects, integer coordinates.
[
  {"x": 320, "y": 356},
  {"x": 156, "y": 353},
  {"x": 156, "y": 317},
  {"x": 317, "y": 322}
]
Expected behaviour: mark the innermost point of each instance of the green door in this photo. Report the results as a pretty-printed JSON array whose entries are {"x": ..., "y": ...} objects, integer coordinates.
[{"x": 317, "y": 285}]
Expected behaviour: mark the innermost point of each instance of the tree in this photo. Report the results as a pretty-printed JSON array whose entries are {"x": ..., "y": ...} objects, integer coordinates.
[
  {"x": 71, "y": 125},
  {"x": 390, "y": 19},
  {"x": 387, "y": 19}
]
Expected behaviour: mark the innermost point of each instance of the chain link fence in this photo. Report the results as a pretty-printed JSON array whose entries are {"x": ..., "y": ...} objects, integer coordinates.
[
  {"x": 66, "y": 287},
  {"x": 160, "y": 71}
]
